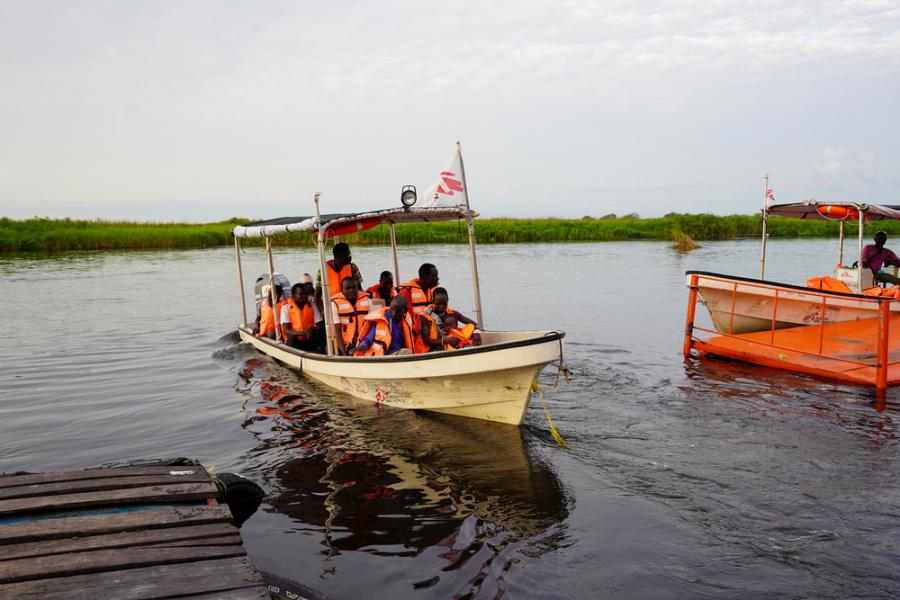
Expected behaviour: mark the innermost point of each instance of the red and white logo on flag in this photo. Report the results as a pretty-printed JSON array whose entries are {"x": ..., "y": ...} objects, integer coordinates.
[
  {"x": 770, "y": 197},
  {"x": 448, "y": 190}
]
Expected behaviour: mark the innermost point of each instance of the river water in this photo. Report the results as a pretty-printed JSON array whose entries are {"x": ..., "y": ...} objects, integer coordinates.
[{"x": 705, "y": 479}]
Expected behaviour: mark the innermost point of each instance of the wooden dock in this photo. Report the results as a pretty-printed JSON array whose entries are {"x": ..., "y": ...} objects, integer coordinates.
[{"x": 127, "y": 533}]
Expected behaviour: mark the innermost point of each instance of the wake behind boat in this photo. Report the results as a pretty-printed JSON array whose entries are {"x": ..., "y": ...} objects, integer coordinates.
[{"x": 491, "y": 381}]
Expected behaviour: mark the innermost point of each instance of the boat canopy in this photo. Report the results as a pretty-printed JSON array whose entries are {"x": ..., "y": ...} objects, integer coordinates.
[
  {"x": 344, "y": 223},
  {"x": 835, "y": 211}
]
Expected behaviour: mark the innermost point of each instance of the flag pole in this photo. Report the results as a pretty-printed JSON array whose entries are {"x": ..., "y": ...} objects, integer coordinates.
[
  {"x": 765, "y": 230},
  {"x": 471, "y": 227}
]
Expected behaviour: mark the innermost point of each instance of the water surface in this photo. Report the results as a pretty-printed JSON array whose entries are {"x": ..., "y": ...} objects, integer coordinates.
[{"x": 705, "y": 479}]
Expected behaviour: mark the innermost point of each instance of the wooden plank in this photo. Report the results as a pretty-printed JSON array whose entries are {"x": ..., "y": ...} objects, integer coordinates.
[
  {"x": 232, "y": 539},
  {"x": 214, "y": 534},
  {"x": 38, "y": 478},
  {"x": 49, "y": 529},
  {"x": 81, "y": 563},
  {"x": 165, "y": 581},
  {"x": 97, "y": 485},
  {"x": 151, "y": 494},
  {"x": 258, "y": 593}
]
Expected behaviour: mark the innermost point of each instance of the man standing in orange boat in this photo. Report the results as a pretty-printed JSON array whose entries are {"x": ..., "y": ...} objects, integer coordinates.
[
  {"x": 338, "y": 268},
  {"x": 875, "y": 256},
  {"x": 418, "y": 292}
]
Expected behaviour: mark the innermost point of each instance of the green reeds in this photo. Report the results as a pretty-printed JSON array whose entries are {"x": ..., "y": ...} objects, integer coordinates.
[
  {"x": 54, "y": 235},
  {"x": 683, "y": 242}
]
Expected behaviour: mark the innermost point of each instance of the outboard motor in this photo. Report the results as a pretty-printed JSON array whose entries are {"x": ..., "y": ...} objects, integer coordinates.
[{"x": 262, "y": 280}]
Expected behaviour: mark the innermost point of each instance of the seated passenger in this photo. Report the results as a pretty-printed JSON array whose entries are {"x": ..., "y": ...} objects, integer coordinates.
[
  {"x": 298, "y": 321},
  {"x": 384, "y": 289},
  {"x": 418, "y": 292},
  {"x": 348, "y": 308},
  {"x": 265, "y": 323},
  {"x": 432, "y": 331},
  {"x": 387, "y": 331},
  {"x": 457, "y": 338}
]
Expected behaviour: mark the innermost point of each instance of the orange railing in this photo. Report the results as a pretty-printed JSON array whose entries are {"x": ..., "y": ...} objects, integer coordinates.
[{"x": 879, "y": 306}]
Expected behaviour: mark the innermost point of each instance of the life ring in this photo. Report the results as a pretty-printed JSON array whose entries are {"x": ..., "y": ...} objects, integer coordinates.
[{"x": 838, "y": 213}]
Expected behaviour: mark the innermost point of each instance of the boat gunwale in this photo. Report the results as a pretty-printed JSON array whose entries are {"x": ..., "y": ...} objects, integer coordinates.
[
  {"x": 549, "y": 336},
  {"x": 791, "y": 286}
]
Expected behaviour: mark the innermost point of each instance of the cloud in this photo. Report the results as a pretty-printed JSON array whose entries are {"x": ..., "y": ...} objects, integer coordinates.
[
  {"x": 134, "y": 103},
  {"x": 839, "y": 167}
]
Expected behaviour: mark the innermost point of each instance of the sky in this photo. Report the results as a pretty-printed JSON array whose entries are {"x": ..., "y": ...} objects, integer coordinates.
[{"x": 202, "y": 111}]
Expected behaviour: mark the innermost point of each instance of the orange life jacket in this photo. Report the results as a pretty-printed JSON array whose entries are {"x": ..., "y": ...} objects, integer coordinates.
[
  {"x": 828, "y": 283},
  {"x": 373, "y": 293},
  {"x": 382, "y": 340},
  {"x": 418, "y": 298},
  {"x": 336, "y": 277},
  {"x": 301, "y": 318},
  {"x": 464, "y": 336},
  {"x": 351, "y": 315},
  {"x": 421, "y": 346},
  {"x": 879, "y": 292},
  {"x": 266, "y": 318}
]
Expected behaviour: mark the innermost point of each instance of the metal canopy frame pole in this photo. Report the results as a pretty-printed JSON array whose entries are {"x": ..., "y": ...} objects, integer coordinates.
[
  {"x": 479, "y": 318},
  {"x": 394, "y": 251},
  {"x": 841, "y": 245},
  {"x": 326, "y": 295},
  {"x": 240, "y": 274},
  {"x": 272, "y": 299},
  {"x": 859, "y": 271},
  {"x": 765, "y": 230}
]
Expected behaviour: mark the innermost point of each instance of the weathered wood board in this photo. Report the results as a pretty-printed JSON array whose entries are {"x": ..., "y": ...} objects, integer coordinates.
[{"x": 130, "y": 533}]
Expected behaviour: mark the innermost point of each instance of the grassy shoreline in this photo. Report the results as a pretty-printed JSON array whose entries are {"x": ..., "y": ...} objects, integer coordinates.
[{"x": 58, "y": 235}]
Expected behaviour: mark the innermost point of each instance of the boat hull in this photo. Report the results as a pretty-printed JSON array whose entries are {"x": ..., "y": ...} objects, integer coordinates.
[
  {"x": 737, "y": 305},
  {"x": 490, "y": 382}
]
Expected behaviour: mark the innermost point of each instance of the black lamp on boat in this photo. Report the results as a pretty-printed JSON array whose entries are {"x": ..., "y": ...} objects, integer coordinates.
[{"x": 408, "y": 196}]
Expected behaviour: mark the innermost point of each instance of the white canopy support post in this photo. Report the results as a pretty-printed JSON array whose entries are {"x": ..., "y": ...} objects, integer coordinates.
[
  {"x": 765, "y": 230},
  {"x": 394, "y": 251},
  {"x": 326, "y": 295},
  {"x": 762, "y": 252},
  {"x": 272, "y": 298},
  {"x": 860, "y": 248},
  {"x": 841, "y": 245},
  {"x": 471, "y": 227},
  {"x": 240, "y": 274}
]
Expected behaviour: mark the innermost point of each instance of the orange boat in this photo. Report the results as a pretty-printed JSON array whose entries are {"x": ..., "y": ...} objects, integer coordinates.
[{"x": 842, "y": 327}]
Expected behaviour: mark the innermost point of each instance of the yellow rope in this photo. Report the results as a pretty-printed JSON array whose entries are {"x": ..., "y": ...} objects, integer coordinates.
[{"x": 556, "y": 436}]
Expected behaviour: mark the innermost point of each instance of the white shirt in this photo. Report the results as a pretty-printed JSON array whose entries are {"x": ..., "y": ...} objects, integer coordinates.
[
  {"x": 335, "y": 317},
  {"x": 286, "y": 312}
]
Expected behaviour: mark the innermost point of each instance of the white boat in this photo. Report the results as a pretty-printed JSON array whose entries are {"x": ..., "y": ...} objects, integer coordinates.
[
  {"x": 742, "y": 305},
  {"x": 492, "y": 381}
]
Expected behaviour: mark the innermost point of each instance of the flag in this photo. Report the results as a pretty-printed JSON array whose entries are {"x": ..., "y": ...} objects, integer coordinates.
[
  {"x": 449, "y": 189},
  {"x": 770, "y": 197}
]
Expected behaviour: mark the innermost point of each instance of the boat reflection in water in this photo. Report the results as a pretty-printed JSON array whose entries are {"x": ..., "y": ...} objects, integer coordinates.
[{"x": 437, "y": 489}]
